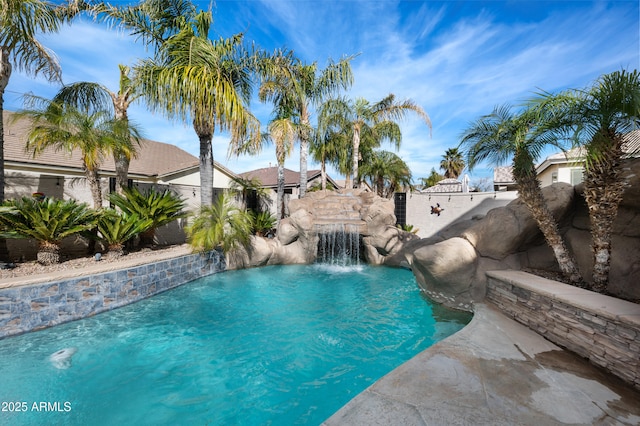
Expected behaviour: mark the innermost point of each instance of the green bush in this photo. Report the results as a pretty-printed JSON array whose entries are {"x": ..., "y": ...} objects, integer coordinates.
[
  {"x": 46, "y": 220},
  {"x": 161, "y": 207},
  {"x": 263, "y": 223},
  {"x": 116, "y": 228}
]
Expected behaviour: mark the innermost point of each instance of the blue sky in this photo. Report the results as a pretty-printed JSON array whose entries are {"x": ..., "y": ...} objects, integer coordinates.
[{"x": 456, "y": 59}]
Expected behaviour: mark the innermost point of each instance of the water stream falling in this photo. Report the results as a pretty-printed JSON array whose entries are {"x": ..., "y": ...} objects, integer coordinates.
[{"x": 339, "y": 244}]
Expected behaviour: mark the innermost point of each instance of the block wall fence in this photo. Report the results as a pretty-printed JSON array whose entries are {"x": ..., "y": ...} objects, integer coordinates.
[
  {"x": 37, "y": 306},
  {"x": 603, "y": 329}
]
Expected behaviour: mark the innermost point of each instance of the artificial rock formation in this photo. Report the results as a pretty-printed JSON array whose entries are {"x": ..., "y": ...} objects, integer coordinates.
[
  {"x": 297, "y": 239},
  {"x": 451, "y": 267}
]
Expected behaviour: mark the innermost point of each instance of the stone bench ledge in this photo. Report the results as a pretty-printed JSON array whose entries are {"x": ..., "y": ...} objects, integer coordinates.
[{"x": 600, "y": 304}]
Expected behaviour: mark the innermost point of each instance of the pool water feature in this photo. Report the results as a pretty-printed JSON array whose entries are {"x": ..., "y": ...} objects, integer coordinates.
[{"x": 273, "y": 345}]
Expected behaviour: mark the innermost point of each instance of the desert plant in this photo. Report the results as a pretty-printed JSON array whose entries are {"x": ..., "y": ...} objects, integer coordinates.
[
  {"x": 48, "y": 221},
  {"x": 221, "y": 225},
  {"x": 262, "y": 223},
  {"x": 161, "y": 207},
  {"x": 408, "y": 228},
  {"x": 117, "y": 228}
]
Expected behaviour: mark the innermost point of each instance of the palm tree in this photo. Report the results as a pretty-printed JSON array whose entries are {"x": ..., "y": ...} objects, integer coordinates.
[
  {"x": 161, "y": 207},
  {"x": 502, "y": 135},
  {"x": 48, "y": 221},
  {"x": 296, "y": 88},
  {"x": 220, "y": 226},
  {"x": 207, "y": 82},
  {"x": 597, "y": 119},
  {"x": 433, "y": 178},
  {"x": 452, "y": 163},
  {"x": 386, "y": 173},
  {"x": 283, "y": 133},
  {"x": 65, "y": 128},
  {"x": 20, "y": 22},
  {"x": 375, "y": 121},
  {"x": 116, "y": 228},
  {"x": 94, "y": 97}
]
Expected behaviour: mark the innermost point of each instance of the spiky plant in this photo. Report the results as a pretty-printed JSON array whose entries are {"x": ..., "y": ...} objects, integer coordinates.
[
  {"x": 220, "y": 226},
  {"x": 48, "y": 221},
  {"x": 262, "y": 223},
  {"x": 117, "y": 228},
  {"x": 161, "y": 207}
]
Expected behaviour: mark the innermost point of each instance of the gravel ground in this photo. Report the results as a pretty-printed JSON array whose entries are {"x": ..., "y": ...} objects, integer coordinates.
[{"x": 33, "y": 267}]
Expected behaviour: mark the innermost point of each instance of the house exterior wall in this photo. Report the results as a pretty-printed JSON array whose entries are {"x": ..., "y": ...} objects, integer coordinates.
[{"x": 563, "y": 173}]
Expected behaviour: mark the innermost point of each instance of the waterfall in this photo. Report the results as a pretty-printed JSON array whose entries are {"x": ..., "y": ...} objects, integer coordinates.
[{"x": 339, "y": 244}]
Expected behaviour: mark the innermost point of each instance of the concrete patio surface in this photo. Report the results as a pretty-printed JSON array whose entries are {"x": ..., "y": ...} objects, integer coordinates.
[{"x": 494, "y": 372}]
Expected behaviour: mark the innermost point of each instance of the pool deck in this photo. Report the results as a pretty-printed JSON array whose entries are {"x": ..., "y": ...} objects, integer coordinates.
[{"x": 494, "y": 372}]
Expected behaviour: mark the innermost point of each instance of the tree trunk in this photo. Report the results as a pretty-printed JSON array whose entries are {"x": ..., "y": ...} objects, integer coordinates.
[
  {"x": 94, "y": 185},
  {"x": 122, "y": 171},
  {"x": 5, "y": 74},
  {"x": 356, "y": 155},
  {"x": 48, "y": 253},
  {"x": 280, "y": 201},
  {"x": 531, "y": 195},
  {"x": 304, "y": 152},
  {"x": 603, "y": 190},
  {"x": 205, "y": 134},
  {"x": 323, "y": 173}
]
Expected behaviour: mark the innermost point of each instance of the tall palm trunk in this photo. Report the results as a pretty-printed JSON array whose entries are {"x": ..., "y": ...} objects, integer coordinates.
[
  {"x": 603, "y": 189},
  {"x": 531, "y": 195},
  {"x": 304, "y": 151},
  {"x": 323, "y": 173},
  {"x": 205, "y": 135},
  {"x": 280, "y": 207},
  {"x": 121, "y": 158},
  {"x": 5, "y": 73},
  {"x": 94, "y": 186},
  {"x": 356, "y": 155}
]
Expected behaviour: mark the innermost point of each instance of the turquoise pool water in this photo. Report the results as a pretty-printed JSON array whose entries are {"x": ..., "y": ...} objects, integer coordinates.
[{"x": 277, "y": 345}]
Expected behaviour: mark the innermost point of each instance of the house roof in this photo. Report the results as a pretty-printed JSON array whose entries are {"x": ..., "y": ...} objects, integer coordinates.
[
  {"x": 503, "y": 174},
  {"x": 269, "y": 176},
  {"x": 446, "y": 185},
  {"x": 154, "y": 158}
]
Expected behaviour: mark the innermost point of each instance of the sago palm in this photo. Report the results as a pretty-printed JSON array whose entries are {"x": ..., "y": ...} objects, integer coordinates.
[
  {"x": 160, "y": 207},
  {"x": 48, "y": 221},
  {"x": 116, "y": 228},
  {"x": 220, "y": 226},
  {"x": 501, "y": 136}
]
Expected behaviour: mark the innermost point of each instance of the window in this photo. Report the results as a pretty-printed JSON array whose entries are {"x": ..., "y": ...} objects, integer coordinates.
[
  {"x": 576, "y": 176},
  {"x": 554, "y": 177}
]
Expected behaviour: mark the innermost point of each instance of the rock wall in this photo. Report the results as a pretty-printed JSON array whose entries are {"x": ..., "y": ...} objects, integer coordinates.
[
  {"x": 296, "y": 238},
  {"x": 452, "y": 266}
]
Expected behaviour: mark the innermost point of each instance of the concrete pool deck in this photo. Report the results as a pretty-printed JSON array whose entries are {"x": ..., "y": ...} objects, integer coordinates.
[{"x": 494, "y": 372}]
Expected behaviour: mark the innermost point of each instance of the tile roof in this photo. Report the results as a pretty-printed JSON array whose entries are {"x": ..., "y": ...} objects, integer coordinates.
[
  {"x": 503, "y": 174},
  {"x": 269, "y": 176},
  {"x": 446, "y": 185},
  {"x": 154, "y": 158}
]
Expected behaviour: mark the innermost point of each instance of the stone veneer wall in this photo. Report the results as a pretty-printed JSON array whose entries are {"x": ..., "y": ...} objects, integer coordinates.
[
  {"x": 36, "y": 306},
  {"x": 603, "y": 329}
]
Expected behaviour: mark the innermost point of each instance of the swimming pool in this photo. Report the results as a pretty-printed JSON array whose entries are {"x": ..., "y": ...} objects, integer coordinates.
[{"x": 273, "y": 345}]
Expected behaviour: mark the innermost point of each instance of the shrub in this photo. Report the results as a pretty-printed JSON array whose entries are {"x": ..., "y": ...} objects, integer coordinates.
[
  {"x": 117, "y": 228},
  {"x": 48, "y": 221}
]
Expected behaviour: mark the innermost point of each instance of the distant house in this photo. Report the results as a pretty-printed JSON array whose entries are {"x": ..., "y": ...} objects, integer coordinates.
[
  {"x": 565, "y": 167},
  {"x": 445, "y": 185},
  {"x": 268, "y": 176},
  {"x": 60, "y": 174}
]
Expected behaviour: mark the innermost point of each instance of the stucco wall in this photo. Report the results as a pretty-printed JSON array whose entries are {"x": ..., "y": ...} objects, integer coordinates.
[
  {"x": 603, "y": 329},
  {"x": 457, "y": 207},
  {"x": 36, "y": 306}
]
